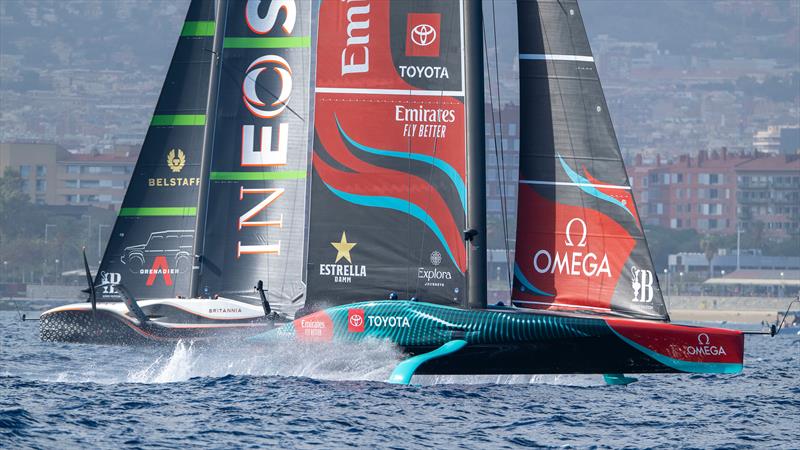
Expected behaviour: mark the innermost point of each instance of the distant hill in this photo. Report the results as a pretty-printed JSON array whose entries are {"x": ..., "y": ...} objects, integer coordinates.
[{"x": 749, "y": 29}]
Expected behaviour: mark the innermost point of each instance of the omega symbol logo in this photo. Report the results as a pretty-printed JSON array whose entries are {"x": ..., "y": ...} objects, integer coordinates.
[
  {"x": 251, "y": 100},
  {"x": 176, "y": 159},
  {"x": 423, "y": 35},
  {"x": 703, "y": 339},
  {"x": 568, "y": 241}
]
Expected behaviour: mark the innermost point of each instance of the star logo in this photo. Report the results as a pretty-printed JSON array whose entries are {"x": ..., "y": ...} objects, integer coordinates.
[{"x": 343, "y": 248}]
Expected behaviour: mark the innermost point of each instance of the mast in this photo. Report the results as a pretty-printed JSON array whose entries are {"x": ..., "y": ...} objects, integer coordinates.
[
  {"x": 476, "y": 158},
  {"x": 205, "y": 164}
]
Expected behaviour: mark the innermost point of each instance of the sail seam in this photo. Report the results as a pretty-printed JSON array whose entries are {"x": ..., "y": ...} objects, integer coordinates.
[
  {"x": 158, "y": 211},
  {"x": 560, "y": 305},
  {"x": 165, "y": 120},
  {"x": 258, "y": 176},
  {"x": 267, "y": 42},
  {"x": 368, "y": 91},
  {"x": 551, "y": 57},
  {"x": 567, "y": 183},
  {"x": 198, "y": 28}
]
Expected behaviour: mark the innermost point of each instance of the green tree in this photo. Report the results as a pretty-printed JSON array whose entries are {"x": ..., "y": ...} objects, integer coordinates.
[
  {"x": 665, "y": 241},
  {"x": 710, "y": 245},
  {"x": 13, "y": 202}
]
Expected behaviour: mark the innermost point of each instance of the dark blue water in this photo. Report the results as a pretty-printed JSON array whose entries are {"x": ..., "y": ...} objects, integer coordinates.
[{"x": 233, "y": 396}]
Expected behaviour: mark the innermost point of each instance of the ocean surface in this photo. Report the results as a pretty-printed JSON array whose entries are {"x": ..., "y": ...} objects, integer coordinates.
[{"x": 234, "y": 395}]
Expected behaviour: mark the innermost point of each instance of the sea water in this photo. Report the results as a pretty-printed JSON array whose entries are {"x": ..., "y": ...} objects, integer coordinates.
[{"x": 233, "y": 395}]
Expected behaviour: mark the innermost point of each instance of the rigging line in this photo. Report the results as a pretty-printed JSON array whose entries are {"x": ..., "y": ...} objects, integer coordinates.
[
  {"x": 500, "y": 170},
  {"x": 261, "y": 85},
  {"x": 208, "y": 153},
  {"x": 504, "y": 186},
  {"x": 582, "y": 84},
  {"x": 429, "y": 178}
]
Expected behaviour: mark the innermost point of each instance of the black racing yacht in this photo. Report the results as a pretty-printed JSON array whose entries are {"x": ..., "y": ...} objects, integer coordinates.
[{"x": 217, "y": 197}]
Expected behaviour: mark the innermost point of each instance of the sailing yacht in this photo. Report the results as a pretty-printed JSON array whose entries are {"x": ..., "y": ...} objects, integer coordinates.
[
  {"x": 397, "y": 228},
  {"x": 216, "y": 202}
]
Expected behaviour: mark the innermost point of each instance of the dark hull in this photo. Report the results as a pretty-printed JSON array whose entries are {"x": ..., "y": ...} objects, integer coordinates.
[
  {"x": 601, "y": 355},
  {"x": 112, "y": 328}
]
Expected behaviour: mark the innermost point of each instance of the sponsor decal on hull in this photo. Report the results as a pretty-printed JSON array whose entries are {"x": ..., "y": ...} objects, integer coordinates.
[
  {"x": 704, "y": 347},
  {"x": 317, "y": 327},
  {"x": 683, "y": 343},
  {"x": 355, "y": 320},
  {"x": 358, "y": 321}
]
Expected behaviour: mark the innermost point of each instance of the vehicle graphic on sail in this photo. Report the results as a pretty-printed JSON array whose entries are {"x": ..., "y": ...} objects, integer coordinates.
[{"x": 174, "y": 245}]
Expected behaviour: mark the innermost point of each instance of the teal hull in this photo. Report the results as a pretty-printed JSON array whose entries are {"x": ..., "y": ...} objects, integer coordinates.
[{"x": 512, "y": 341}]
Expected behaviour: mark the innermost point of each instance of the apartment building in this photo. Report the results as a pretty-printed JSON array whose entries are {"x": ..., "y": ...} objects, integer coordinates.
[
  {"x": 52, "y": 175},
  {"x": 717, "y": 192},
  {"x": 697, "y": 192},
  {"x": 768, "y": 191}
]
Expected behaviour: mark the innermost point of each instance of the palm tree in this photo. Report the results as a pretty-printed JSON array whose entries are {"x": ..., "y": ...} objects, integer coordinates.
[{"x": 710, "y": 246}]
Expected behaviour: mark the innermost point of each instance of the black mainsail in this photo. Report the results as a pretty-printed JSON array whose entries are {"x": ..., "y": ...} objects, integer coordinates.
[
  {"x": 239, "y": 167},
  {"x": 151, "y": 246},
  {"x": 254, "y": 209},
  {"x": 580, "y": 244}
]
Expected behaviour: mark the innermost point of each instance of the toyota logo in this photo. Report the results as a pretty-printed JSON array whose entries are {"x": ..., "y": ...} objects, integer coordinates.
[
  {"x": 423, "y": 35},
  {"x": 356, "y": 320}
]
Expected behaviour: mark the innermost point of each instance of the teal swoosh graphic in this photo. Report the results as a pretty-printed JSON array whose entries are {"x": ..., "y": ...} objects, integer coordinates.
[
  {"x": 591, "y": 190},
  {"x": 451, "y": 173},
  {"x": 527, "y": 284},
  {"x": 397, "y": 204}
]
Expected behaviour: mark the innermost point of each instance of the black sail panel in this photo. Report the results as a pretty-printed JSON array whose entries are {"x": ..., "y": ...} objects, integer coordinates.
[
  {"x": 580, "y": 244},
  {"x": 255, "y": 211},
  {"x": 151, "y": 246},
  {"x": 388, "y": 193}
]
